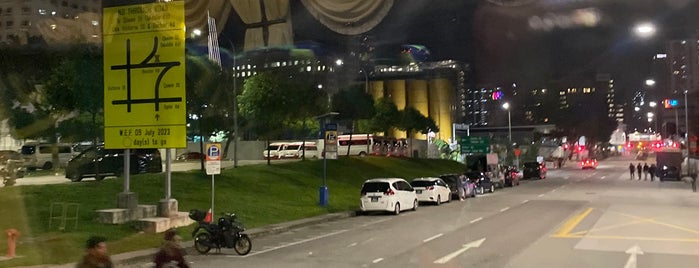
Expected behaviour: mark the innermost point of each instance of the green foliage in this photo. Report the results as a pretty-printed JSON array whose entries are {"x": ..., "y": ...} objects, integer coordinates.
[
  {"x": 353, "y": 104},
  {"x": 413, "y": 120},
  {"x": 386, "y": 117},
  {"x": 282, "y": 192},
  {"x": 271, "y": 102}
]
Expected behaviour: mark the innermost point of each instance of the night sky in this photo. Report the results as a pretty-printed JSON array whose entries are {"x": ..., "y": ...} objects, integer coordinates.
[{"x": 502, "y": 48}]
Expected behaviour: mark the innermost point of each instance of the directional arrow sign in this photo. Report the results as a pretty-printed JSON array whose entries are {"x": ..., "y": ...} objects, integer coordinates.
[
  {"x": 633, "y": 251},
  {"x": 466, "y": 247}
]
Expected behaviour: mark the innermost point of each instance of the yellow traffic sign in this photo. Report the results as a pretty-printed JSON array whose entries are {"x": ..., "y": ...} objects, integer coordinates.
[{"x": 144, "y": 76}]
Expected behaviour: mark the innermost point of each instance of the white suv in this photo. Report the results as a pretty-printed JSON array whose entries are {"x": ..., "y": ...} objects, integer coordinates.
[{"x": 387, "y": 194}]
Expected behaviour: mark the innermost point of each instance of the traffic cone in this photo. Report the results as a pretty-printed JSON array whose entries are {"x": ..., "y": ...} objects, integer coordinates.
[{"x": 208, "y": 217}]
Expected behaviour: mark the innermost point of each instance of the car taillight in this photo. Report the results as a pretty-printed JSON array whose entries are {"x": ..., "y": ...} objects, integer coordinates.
[
  {"x": 430, "y": 188},
  {"x": 389, "y": 192}
]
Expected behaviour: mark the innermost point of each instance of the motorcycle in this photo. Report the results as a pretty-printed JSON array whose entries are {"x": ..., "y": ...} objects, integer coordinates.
[{"x": 227, "y": 232}]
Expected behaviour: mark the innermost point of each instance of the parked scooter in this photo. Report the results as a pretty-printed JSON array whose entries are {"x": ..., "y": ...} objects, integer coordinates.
[{"x": 228, "y": 233}]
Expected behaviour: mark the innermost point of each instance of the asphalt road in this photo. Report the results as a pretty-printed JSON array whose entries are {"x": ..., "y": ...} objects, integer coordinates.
[{"x": 574, "y": 218}]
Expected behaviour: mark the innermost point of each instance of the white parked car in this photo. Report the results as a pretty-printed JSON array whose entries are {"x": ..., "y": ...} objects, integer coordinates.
[
  {"x": 433, "y": 190},
  {"x": 388, "y": 194},
  {"x": 273, "y": 150}
]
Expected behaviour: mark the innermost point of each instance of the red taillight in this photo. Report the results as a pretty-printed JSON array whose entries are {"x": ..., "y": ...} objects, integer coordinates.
[
  {"x": 430, "y": 188},
  {"x": 389, "y": 192}
]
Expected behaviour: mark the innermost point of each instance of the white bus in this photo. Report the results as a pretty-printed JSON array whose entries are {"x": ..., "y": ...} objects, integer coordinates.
[{"x": 359, "y": 144}]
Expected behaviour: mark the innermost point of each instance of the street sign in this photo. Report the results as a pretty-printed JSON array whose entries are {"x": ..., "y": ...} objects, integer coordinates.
[
  {"x": 330, "y": 144},
  {"x": 144, "y": 76},
  {"x": 478, "y": 145},
  {"x": 213, "y": 158}
]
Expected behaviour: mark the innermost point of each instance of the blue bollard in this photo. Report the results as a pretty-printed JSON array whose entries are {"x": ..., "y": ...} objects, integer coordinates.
[{"x": 323, "y": 191}]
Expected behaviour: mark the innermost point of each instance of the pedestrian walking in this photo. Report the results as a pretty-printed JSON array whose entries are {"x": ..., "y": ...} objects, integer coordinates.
[
  {"x": 652, "y": 169},
  {"x": 645, "y": 171},
  {"x": 171, "y": 254},
  {"x": 460, "y": 186},
  {"x": 632, "y": 169},
  {"x": 639, "y": 170},
  {"x": 96, "y": 255}
]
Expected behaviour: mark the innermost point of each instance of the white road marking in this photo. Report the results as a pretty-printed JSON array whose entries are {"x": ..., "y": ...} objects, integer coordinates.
[
  {"x": 432, "y": 238},
  {"x": 602, "y": 178},
  {"x": 352, "y": 245},
  {"x": 541, "y": 195},
  {"x": 463, "y": 249},
  {"x": 296, "y": 243},
  {"x": 504, "y": 209},
  {"x": 633, "y": 251},
  {"x": 553, "y": 190},
  {"x": 476, "y": 220},
  {"x": 525, "y": 201},
  {"x": 377, "y": 260}
]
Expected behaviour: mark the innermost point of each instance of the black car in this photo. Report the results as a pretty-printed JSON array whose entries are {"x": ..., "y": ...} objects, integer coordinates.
[
  {"x": 482, "y": 181},
  {"x": 450, "y": 179},
  {"x": 666, "y": 173},
  {"x": 98, "y": 162},
  {"x": 534, "y": 170}
]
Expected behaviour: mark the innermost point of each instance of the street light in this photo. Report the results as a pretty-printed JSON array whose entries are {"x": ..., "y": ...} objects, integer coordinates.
[
  {"x": 650, "y": 82},
  {"x": 506, "y": 106},
  {"x": 645, "y": 30}
]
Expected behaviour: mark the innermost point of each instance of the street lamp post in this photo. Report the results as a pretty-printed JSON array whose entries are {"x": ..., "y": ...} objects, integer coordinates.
[
  {"x": 686, "y": 122},
  {"x": 506, "y": 106}
]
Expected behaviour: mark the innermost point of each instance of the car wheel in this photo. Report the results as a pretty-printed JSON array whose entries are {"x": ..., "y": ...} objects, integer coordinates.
[
  {"x": 76, "y": 178},
  {"x": 362, "y": 154},
  {"x": 396, "y": 209},
  {"x": 415, "y": 205},
  {"x": 481, "y": 190},
  {"x": 439, "y": 200},
  {"x": 473, "y": 192},
  {"x": 492, "y": 188},
  {"x": 99, "y": 177},
  {"x": 47, "y": 166}
]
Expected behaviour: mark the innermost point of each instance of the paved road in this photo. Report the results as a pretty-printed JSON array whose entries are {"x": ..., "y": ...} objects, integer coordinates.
[{"x": 574, "y": 218}]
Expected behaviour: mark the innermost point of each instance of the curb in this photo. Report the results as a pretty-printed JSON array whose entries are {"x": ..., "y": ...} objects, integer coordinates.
[{"x": 146, "y": 255}]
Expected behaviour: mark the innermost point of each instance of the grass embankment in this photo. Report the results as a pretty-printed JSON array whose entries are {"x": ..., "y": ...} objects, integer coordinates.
[{"x": 259, "y": 194}]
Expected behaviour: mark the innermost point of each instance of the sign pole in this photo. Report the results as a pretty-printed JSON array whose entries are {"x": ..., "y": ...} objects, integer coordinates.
[
  {"x": 212, "y": 194},
  {"x": 168, "y": 175},
  {"x": 213, "y": 167}
]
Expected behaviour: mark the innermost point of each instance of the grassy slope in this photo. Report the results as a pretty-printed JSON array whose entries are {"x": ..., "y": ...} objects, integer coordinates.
[{"x": 259, "y": 194}]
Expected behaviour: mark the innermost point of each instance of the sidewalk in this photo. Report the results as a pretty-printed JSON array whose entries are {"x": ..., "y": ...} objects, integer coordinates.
[{"x": 142, "y": 258}]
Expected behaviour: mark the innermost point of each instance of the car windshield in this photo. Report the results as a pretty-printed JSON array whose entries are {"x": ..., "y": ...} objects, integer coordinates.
[
  {"x": 375, "y": 187},
  {"x": 422, "y": 183},
  {"x": 532, "y": 165}
]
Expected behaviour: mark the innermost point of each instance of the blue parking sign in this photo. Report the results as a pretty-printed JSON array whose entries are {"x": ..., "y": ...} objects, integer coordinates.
[{"x": 213, "y": 152}]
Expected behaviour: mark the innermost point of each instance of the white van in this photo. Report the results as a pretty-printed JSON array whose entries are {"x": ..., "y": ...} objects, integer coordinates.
[
  {"x": 38, "y": 155},
  {"x": 357, "y": 144},
  {"x": 296, "y": 150},
  {"x": 273, "y": 150}
]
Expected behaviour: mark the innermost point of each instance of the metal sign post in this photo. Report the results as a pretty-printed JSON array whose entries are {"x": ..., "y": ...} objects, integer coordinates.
[
  {"x": 329, "y": 152},
  {"x": 213, "y": 166}
]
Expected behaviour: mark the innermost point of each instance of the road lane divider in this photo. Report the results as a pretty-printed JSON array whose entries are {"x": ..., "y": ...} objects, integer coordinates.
[
  {"x": 504, "y": 209},
  {"x": 541, "y": 195},
  {"x": 571, "y": 223},
  {"x": 295, "y": 243},
  {"x": 432, "y": 238},
  {"x": 525, "y": 201},
  {"x": 476, "y": 220},
  {"x": 377, "y": 260}
]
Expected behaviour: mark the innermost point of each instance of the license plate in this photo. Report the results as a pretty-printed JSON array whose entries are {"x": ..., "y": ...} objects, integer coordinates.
[
  {"x": 419, "y": 191},
  {"x": 374, "y": 199}
]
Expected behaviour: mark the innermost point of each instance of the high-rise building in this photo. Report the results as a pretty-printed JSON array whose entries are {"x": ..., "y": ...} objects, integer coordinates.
[{"x": 52, "y": 21}]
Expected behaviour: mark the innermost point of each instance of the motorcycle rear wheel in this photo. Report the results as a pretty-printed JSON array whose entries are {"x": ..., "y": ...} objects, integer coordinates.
[
  {"x": 243, "y": 245},
  {"x": 200, "y": 243}
]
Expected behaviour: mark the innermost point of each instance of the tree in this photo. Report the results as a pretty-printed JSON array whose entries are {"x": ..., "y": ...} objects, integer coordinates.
[
  {"x": 412, "y": 120},
  {"x": 386, "y": 117},
  {"x": 76, "y": 87},
  {"x": 353, "y": 104},
  {"x": 270, "y": 102}
]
